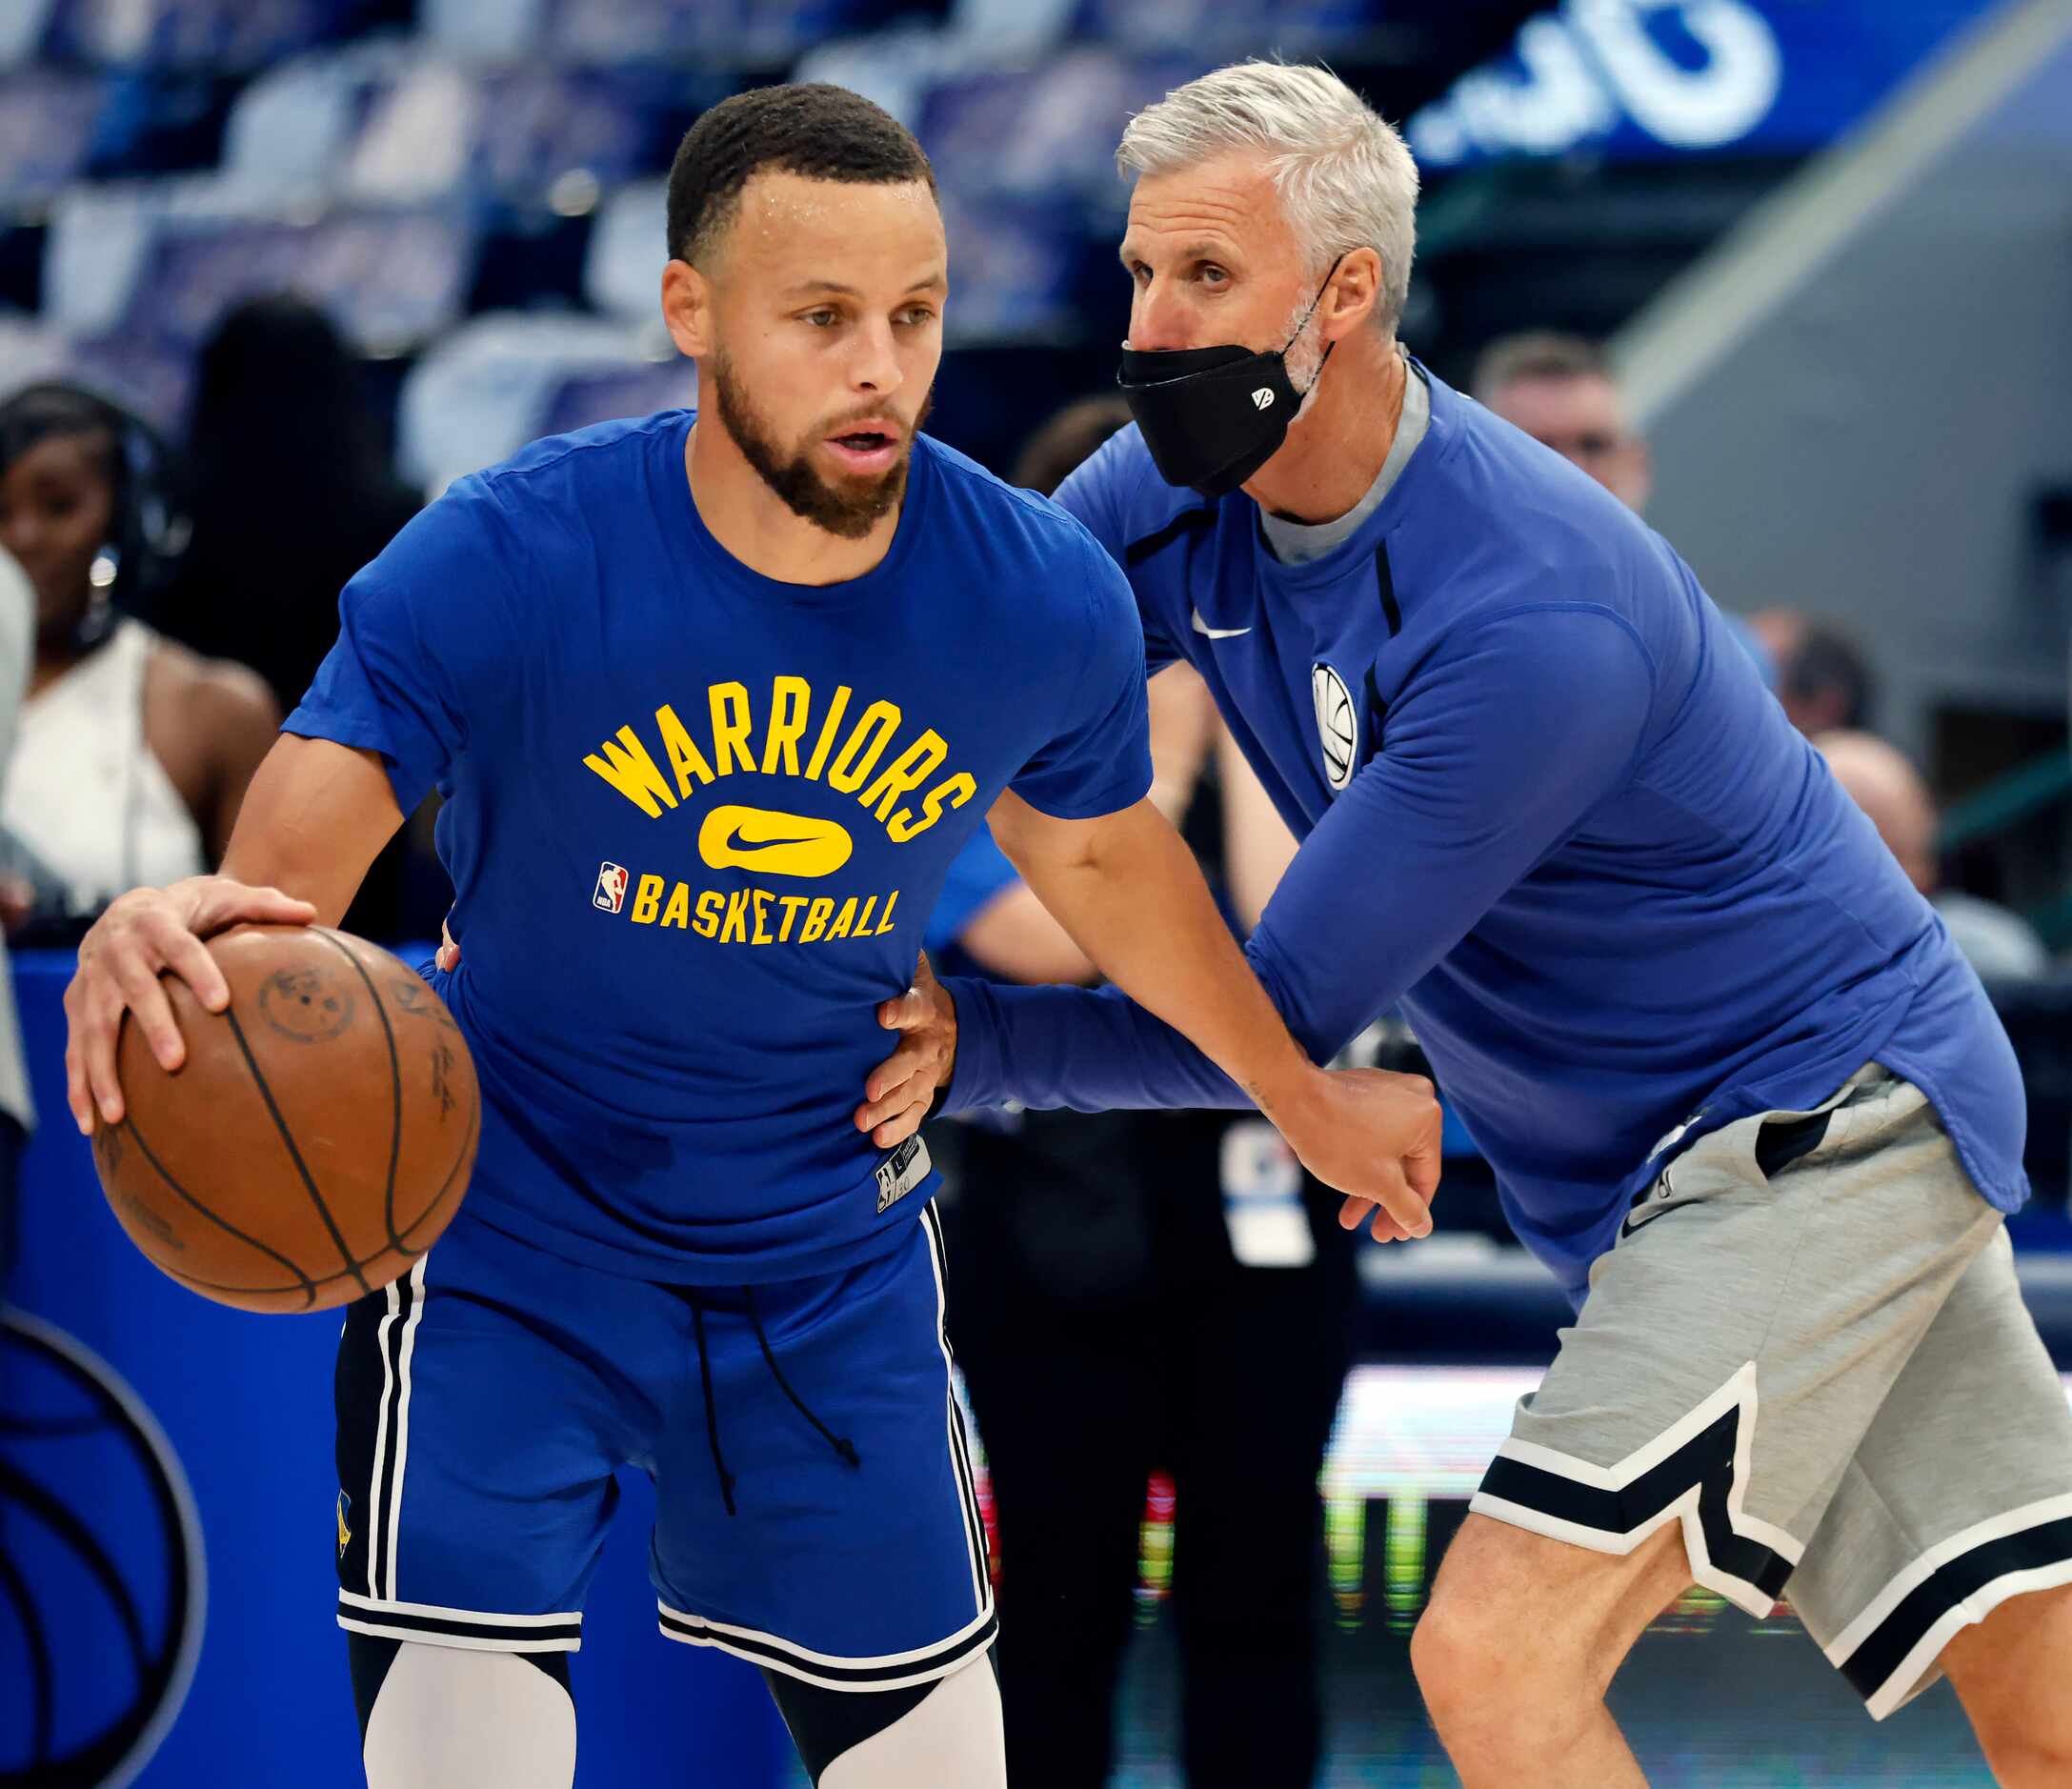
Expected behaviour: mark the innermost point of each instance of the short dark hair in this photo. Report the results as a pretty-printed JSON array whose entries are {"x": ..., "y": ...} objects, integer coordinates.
[
  {"x": 1829, "y": 661},
  {"x": 55, "y": 409},
  {"x": 1537, "y": 354},
  {"x": 814, "y": 129},
  {"x": 1055, "y": 450}
]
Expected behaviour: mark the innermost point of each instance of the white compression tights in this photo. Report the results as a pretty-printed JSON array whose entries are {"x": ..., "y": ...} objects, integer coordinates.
[
  {"x": 952, "y": 1738},
  {"x": 446, "y": 1719}
]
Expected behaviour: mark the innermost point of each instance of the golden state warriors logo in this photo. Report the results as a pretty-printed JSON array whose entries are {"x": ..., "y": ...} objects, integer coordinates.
[
  {"x": 1337, "y": 724},
  {"x": 896, "y": 776},
  {"x": 345, "y": 1533}
]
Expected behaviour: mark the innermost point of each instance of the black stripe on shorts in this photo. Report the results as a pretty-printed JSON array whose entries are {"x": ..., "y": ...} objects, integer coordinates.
[
  {"x": 458, "y": 1626},
  {"x": 1884, "y": 1649},
  {"x": 1706, "y": 1461},
  {"x": 864, "y": 1675}
]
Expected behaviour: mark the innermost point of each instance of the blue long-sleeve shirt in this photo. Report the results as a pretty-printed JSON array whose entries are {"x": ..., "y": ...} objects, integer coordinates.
[{"x": 1546, "y": 804}]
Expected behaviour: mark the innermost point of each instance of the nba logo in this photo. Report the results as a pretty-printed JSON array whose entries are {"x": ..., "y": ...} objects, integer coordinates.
[{"x": 611, "y": 894}]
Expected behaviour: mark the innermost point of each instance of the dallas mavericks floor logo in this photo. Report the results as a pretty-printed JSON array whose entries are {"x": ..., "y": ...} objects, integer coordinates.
[{"x": 101, "y": 1615}]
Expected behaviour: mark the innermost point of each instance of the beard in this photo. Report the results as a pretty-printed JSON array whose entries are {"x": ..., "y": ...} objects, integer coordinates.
[
  {"x": 1303, "y": 357},
  {"x": 850, "y": 509}
]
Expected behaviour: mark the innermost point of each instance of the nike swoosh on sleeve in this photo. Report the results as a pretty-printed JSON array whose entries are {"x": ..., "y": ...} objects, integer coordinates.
[{"x": 1201, "y": 626}]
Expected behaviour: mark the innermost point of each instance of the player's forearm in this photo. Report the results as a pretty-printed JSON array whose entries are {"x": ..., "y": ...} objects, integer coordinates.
[
  {"x": 315, "y": 816},
  {"x": 1131, "y": 896}
]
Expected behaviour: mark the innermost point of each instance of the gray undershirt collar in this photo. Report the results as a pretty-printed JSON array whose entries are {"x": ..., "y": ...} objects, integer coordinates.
[{"x": 1297, "y": 543}]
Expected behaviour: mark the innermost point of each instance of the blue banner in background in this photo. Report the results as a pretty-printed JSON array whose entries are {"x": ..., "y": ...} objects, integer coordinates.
[
  {"x": 1642, "y": 79},
  {"x": 169, "y": 1520}
]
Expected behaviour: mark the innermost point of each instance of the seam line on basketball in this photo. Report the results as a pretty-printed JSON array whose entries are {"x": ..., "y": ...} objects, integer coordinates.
[
  {"x": 396, "y": 1082},
  {"x": 446, "y": 1186},
  {"x": 294, "y": 1154},
  {"x": 308, "y": 1285}
]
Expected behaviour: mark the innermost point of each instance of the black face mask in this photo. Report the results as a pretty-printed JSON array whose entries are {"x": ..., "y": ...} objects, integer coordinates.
[{"x": 1213, "y": 416}]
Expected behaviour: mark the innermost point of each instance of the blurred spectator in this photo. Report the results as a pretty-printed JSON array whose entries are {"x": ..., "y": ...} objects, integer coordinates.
[
  {"x": 17, "y": 1111},
  {"x": 1562, "y": 392},
  {"x": 133, "y": 753},
  {"x": 1137, "y": 1291},
  {"x": 1053, "y": 452},
  {"x": 1823, "y": 677},
  {"x": 291, "y": 495},
  {"x": 289, "y": 492},
  {"x": 2000, "y": 945}
]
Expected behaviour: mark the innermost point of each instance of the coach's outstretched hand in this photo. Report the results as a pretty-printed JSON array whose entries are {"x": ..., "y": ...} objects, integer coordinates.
[
  {"x": 1373, "y": 1135},
  {"x": 143, "y": 933}
]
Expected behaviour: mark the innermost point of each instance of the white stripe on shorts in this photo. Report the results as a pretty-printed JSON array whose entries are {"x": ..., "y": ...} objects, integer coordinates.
[
  {"x": 1897, "y": 1684},
  {"x": 1737, "y": 1395}
]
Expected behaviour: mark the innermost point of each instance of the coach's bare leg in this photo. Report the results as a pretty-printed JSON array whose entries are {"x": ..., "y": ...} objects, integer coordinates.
[
  {"x": 2013, "y": 1673},
  {"x": 1519, "y": 1644}
]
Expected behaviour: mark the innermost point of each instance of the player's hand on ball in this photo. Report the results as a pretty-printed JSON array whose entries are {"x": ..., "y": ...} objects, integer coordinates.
[
  {"x": 903, "y": 1088},
  {"x": 145, "y": 933},
  {"x": 1375, "y": 1135}
]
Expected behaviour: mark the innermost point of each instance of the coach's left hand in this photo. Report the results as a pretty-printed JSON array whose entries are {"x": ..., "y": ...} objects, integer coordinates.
[{"x": 903, "y": 1088}]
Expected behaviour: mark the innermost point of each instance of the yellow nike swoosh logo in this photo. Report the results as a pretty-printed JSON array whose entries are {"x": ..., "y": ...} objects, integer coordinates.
[{"x": 771, "y": 843}]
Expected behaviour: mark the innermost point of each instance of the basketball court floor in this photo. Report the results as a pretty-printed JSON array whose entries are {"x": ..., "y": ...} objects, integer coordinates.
[{"x": 1710, "y": 1698}]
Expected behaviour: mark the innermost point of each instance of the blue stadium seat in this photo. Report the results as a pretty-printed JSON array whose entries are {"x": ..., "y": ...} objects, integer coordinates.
[
  {"x": 48, "y": 128},
  {"x": 1223, "y": 30},
  {"x": 220, "y": 34},
  {"x": 137, "y": 375},
  {"x": 391, "y": 278},
  {"x": 1015, "y": 270},
  {"x": 1047, "y": 130},
  {"x": 386, "y": 122},
  {"x": 24, "y": 23},
  {"x": 622, "y": 270},
  {"x": 484, "y": 30},
  {"x": 1010, "y": 30},
  {"x": 731, "y": 34},
  {"x": 161, "y": 261},
  {"x": 292, "y": 129},
  {"x": 30, "y": 351},
  {"x": 501, "y": 380},
  {"x": 99, "y": 239}
]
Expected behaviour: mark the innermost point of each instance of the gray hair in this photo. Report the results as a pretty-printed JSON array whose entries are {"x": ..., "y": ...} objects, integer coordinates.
[{"x": 1345, "y": 177}]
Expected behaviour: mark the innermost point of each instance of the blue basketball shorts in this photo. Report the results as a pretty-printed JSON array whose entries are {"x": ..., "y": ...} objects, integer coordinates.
[{"x": 815, "y": 1511}]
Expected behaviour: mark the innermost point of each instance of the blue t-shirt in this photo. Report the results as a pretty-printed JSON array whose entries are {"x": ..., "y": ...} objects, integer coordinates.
[
  {"x": 1546, "y": 803},
  {"x": 979, "y": 877},
  {"x": 697, "y": 818}
]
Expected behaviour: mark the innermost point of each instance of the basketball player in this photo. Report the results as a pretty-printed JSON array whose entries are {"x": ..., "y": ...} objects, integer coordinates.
[
  {"x": 714, "y": 701},
  {"x": 1740, "y": 1091}
]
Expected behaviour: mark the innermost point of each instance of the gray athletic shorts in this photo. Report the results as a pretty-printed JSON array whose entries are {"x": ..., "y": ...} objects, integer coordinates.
[{"x": 1809, "y": 1347}]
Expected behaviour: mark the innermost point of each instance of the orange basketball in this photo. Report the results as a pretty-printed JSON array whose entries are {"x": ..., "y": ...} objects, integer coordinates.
[{"x": 317, "y": 1139}]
